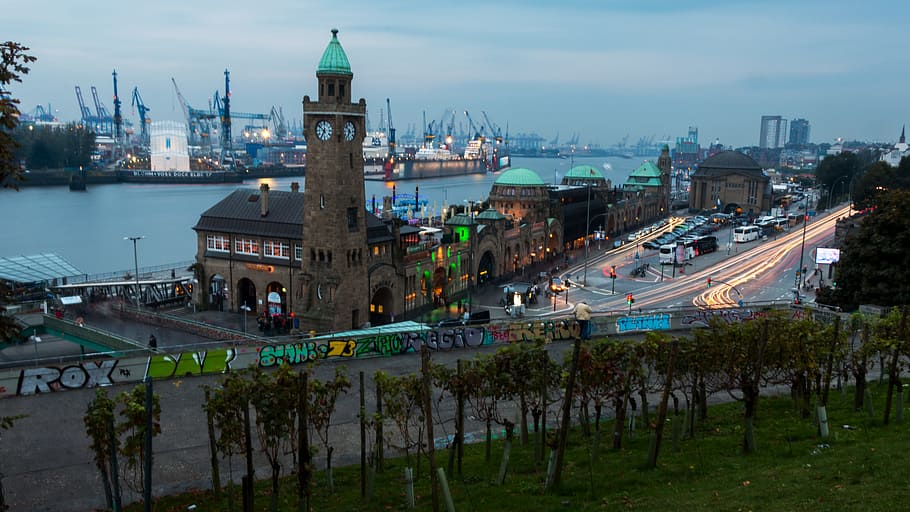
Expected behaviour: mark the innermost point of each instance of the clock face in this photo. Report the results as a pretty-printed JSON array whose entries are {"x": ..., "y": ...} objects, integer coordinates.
[
  {"x": 323, "y": 130},
  {"x": 349, "y": 131}
]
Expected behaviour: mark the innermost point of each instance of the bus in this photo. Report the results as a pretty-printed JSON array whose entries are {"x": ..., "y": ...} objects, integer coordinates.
[
  {"x": 684, "y": 251},
  {"x": 744, "y": 234}
]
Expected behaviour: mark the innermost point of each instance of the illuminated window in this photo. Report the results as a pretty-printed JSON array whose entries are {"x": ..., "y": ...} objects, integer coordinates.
[
  {"x": 276, "y": 249},
  {"x": 217, "y": 243},
  {"x": 246, "y": 246}
]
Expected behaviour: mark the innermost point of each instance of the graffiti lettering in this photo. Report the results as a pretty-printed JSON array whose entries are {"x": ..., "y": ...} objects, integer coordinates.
[
  {"x": 548, "y": 331},
  {"x": 290, "y": 353},
  {"x": 457, "y": 337},
  {"x": 45, "y": 380},
  {"x": 659, "y": 322},
  {"x": 190, "y": 363},
  {"x": 341, "y": 348},
  {"x": 703, "y": 318},
  {"x": 382, "y": 345}
]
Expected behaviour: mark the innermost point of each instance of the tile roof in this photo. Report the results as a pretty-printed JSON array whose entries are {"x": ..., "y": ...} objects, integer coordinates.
[{"x": 334, "y": 60}]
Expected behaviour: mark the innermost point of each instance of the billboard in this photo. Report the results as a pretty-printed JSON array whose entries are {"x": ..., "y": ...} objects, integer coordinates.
[{"x": 826, "y": 256}]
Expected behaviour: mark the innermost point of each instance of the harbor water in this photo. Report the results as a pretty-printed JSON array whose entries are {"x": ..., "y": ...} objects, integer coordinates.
[{"x": 88, "y": 228}]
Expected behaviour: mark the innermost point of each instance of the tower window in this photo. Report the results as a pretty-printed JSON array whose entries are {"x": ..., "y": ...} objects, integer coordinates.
[
  {"x": 341, "y": 89},
  {"x": 352, "y": 219},
  {"x": 331, "y": 88}
]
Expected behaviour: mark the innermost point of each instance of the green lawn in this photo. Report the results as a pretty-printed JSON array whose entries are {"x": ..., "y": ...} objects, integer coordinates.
[{"x": 857, "y": 468}]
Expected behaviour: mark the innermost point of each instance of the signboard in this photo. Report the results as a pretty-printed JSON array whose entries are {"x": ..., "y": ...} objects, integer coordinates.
[{"x": 826, "y": 256}]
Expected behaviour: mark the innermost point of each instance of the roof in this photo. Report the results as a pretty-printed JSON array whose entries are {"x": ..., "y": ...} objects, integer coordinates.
[
  {"x": 238, "y": 213},
  {"x": 730, "y": 160},
  {"x": 520, "y": 177},
  {"x": 490, "y": 214},
  {"x": 36, "y": 268},
  {"x": 584, "y": 171},
  {"x": 459, "y": 219},
  {"x": 334, "y": 59},
  {"x": 646, "y": 175}
]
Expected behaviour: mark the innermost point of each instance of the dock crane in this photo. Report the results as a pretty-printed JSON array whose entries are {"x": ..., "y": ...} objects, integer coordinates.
[
  {"x": 88, "y": 120},
  {"x": 104, "y": 119},
  {"x": 276, "y": 116},
  {"x": 388, "y": 109},
  {"x": 118, "y": 117},
  {"x": 226, "y": 113},
  {"x": 144, "y": 119},
  {"x": 198, "y": 121},
  {"x": 477, "y": 133},
  {"x": 494, "y": 129}
]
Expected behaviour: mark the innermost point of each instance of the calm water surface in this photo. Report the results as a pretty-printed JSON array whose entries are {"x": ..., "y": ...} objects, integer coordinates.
[{"x": 87, "y": 228}]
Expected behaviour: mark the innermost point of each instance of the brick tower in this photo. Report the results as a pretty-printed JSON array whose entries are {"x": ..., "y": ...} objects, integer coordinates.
[{"x": 334, "y": 274}]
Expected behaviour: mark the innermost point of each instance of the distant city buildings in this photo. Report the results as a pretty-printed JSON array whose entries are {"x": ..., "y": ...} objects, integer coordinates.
[
  {"x": 799, "y": 133},
  {"x": 773, "y": 132},
  {"x": 687, "y": 152},
  {"x": 899, "y": 151}
]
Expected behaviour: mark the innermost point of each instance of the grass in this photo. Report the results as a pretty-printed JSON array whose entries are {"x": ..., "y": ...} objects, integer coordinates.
[{"x": 857, "y": 468}]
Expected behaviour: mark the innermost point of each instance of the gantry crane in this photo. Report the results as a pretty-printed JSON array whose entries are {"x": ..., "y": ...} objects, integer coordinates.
[
  {"x": 88, "y": 119},
  {"x": 118, "y": 117},
  {"x": 494, "y": 129},
  {"x": 477, "y": 131},
  {"x": 388, "y": 108},
  {"x": 144, "y": 120},
  {"x": 198, "y": 121},
  {"x": 105, "y": 121}
]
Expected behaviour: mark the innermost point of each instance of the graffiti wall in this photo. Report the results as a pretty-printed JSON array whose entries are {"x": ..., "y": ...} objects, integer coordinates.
[{"x": 107, "y": 372}]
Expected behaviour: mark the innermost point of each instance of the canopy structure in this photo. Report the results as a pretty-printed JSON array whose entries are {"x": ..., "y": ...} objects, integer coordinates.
[{"x": 37, "y": 268}]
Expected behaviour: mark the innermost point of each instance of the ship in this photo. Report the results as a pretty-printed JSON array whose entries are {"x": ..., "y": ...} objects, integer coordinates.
[{"x": 431, "y": 161}]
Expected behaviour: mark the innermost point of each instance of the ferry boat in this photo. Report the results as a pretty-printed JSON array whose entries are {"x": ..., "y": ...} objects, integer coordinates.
[{"x": 429, "y": 161}]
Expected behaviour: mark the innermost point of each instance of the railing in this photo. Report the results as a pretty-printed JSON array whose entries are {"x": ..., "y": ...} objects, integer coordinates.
[{"x": 179, "y": 268}]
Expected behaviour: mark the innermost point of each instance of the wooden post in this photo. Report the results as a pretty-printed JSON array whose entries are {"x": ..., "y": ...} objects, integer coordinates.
[
  {"x": 662, "y": 410},
  {"x": 428, "y": 414},
  {"x": 305, "y": 474},
  {"x": 213, "y": 446},
  {"x": 363, "y": 440}
]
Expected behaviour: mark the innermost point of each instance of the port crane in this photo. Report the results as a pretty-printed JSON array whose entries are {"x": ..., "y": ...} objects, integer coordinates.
[
  {"x": 476, "y": 133},
  {"x": 118, "y": 117},
  {"x": 199, "y": 121},
  {"x": 144, "y": 119},
  {"x": 88, "y": 119},
  {"x": 388, "y": 109},
  {"x": 494, "y": 129},
  {"x": 279, "y": 126},
  {"x": 105, "y": 121}
]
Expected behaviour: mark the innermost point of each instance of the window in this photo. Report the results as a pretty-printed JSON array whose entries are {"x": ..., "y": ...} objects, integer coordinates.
[
  {"x": 218, "y": 243},
  {"x": 352, "y": 219},
  {"x": 331, "y": 88},
  {"x": 276, "y": 249},
  {"x": 246, "y": 246},
  {"x": 298, "y": 252},
  {"x": 341, "y": 89}
]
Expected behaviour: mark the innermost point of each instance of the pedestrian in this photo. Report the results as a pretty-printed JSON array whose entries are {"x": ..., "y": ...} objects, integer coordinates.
[
  {"x": 582, "y": 313},
  {"x": 153, "y": 342}
]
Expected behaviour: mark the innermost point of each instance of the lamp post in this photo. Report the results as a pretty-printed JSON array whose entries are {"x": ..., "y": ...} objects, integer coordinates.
[
  {"x": 587, "y": 229},
  {"x": 471, "y": 233},
  {"x": 834, "y": 188},
  {"x": 802, "y": 249},
  {"x": 136, "y": 264},
  {"x": 244, "y": 309}
]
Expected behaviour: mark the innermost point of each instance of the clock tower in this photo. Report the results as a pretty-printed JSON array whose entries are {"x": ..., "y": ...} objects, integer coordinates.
[{"x": 334, "y": 291}]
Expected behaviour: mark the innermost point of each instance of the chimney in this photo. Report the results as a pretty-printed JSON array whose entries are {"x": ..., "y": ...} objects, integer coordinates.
[
  {"x": 264, "y": 199},
  {"x": 295, "y": 187}
]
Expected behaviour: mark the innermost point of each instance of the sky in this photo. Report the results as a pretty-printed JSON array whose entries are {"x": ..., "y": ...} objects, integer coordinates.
[{"x": 599, "y": 69}]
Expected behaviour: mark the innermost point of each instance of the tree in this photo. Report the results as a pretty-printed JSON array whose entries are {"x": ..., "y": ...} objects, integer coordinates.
[
  {"x": 6, "y": 423},
  {"x": 275, "y": 400},
  {"x": 870, "y": 185},
  {"x": 9, "y": 328},
  {"x": 323, "y": 397},
  {"x": 99, "y": 425},
  {"x": 14, "y": 64},
  {"x": 134, "y": 427},
  {"x": 874, "y": 256},
  {"x": 836, "y": 168}
]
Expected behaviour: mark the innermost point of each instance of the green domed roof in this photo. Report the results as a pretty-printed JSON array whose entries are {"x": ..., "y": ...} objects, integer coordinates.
[
  {"x": 490, "y": 214},
  {"x": 334, "y": 59},
  {"x": 520, "y": 177},
  {"x": 585, "y": 172}
]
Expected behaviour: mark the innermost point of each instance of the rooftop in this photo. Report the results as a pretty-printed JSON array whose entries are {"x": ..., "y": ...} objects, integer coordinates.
[{"x": 334, "y": 60}]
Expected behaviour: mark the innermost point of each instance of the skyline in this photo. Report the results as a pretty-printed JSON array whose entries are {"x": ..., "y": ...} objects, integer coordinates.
[{"x": 602, "y": 70}]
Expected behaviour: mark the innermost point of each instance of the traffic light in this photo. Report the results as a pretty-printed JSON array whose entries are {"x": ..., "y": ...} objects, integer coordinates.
[
  {"x": 629, "y": 299},
  {"x": 709, "y": 282}
]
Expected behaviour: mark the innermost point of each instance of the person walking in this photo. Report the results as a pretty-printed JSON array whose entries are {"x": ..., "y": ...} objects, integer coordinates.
[
  {"x": 582, "y": 313},
  {"x": 153, "y": 342}
]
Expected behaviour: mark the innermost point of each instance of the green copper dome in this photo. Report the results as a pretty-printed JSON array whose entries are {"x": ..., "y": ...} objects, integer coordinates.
[
  {"x": 520, "y": 177},
  {"x": 585, "y": 172},
  {"x": 334, "y": 59}
]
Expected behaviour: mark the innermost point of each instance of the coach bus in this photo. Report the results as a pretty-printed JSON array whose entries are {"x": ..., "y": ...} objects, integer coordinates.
[{"x": 744, "y": 234}]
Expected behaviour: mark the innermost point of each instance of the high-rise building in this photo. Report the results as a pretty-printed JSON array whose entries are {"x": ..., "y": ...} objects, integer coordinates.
[
  {"x": 773, "y": 132},
  {"x": 799, "y": 132}
]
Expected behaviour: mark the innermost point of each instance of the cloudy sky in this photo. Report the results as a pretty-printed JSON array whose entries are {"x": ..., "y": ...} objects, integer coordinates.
[{"x": 602, "y": 69}]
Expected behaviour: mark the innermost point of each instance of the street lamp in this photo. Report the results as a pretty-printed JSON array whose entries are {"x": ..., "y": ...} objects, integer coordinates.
[
  {"x": 136, "y": 264},
  {"x": 802, "y": 249},
  {"x": 244, "y": 310},
  {"x": 833, "y": 188},
  {"x": 587, "y": 229},
  {"x": 471, "y": 233}
]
